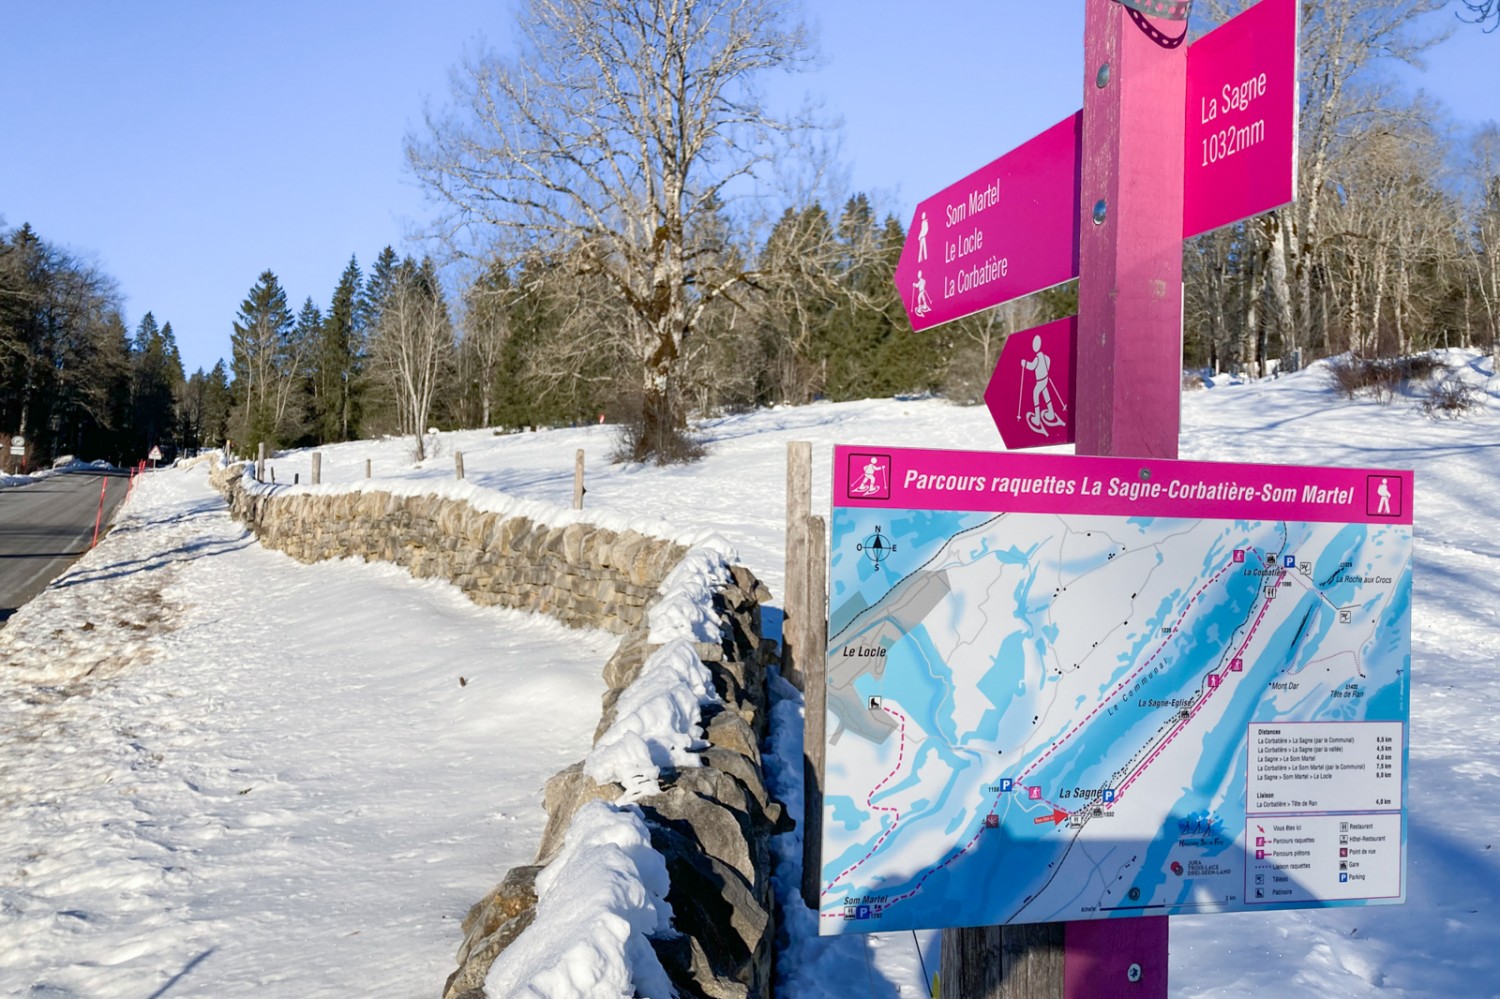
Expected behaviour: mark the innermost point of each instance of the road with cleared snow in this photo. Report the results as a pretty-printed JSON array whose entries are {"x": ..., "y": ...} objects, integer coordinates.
[{"x": 44, "y": 527}]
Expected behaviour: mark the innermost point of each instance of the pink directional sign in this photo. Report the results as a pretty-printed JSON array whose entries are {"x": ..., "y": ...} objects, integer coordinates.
[
  {"x": 1240, "y": 153},
  {"x": 1002, "y": 232},
  {"x": 1030, "y": 395}
]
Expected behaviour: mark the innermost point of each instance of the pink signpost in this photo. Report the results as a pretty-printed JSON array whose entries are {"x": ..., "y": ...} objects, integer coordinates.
[
  {"x": 1004, "y": 231},
  {"x": 1238, "y": 134},
  {"x": 1174, "y": 140}
]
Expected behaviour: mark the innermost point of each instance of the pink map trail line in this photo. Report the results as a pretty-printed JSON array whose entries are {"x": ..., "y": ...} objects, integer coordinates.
[{"x": 869, "y": 800}]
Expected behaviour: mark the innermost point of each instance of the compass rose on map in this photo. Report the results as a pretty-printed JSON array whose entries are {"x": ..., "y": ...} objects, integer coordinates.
[{"x": 877, "y": 547}]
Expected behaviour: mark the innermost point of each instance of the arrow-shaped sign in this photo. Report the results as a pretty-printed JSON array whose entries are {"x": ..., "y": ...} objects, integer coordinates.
[
  {"x": 1058, "y": 816},
  {"x": 1006, "y": 230},
  {"x": 1030, "y": 395}
]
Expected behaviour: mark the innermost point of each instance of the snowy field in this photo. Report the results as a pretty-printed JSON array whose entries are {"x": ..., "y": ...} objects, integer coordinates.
[{"x": 223, "y": 773}]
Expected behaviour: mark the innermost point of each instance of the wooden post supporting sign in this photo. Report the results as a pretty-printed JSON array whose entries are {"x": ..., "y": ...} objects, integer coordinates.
[
  {"x": 795, "y": 586},
  {"x": 814, "y": 706}
]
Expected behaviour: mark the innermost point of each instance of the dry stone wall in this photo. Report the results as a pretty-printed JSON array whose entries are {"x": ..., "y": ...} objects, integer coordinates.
[{"x": 712, "y": 824}]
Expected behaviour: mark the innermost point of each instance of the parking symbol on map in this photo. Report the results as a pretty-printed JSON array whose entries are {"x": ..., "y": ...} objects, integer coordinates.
[
  {"x": 1289, "y": 562},
  {"x": 1006, "y": 785},
  {"x": 1109, "y": 795}
]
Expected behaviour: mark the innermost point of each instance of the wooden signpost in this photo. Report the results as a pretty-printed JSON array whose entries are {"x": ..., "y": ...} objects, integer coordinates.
[{"x": 1173, "y": 140}]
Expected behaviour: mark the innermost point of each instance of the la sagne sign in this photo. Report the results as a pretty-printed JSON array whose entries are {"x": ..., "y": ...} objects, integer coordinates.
[{"x": 1012, "y": 228}]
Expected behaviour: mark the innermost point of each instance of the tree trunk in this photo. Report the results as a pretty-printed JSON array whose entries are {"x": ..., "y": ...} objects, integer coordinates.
[{"x": 1281, "y": 289}]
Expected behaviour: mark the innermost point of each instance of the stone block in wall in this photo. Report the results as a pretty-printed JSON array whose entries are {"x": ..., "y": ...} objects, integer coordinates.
[
  {"x": 468, "y": 981},
  {"x": 729, "y": 730},
  {"x": 515, "y": 893},
  {"x": 563, "y": 795},
  {"x": 713, "y": 902},
  {"x": 742, "y": 769}
]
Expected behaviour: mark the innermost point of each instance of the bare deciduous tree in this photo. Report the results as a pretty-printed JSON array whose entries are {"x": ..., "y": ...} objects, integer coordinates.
[
  {"x": 1340, "y": 42},
  {"x": 412, "y": 346},
  {"x": 1483, "y": 10},
  {"x": 486, "y": 328},
  {"x": 615, "y": 135}
]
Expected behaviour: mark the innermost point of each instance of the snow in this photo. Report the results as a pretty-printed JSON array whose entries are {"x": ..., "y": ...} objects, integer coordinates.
[
  {"x": 656, "y": 722},
  {"x": 597, "y": 903},
  {"x": 226, "y": 773}
]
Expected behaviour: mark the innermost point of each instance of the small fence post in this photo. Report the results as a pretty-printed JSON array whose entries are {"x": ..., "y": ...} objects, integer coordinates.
[
  {"x": 458, "y": 465},
  {"x": 578, "y": 489},
  {"x": 367, "y": 468},
  {"x": 813, "y": 662},
  {"x": 260, "y": 462},
  {"x": 316, "y": 475},
  {"x": 798, "y": 508}
]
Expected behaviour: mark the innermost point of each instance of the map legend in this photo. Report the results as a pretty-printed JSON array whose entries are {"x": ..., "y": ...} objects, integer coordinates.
[{"x": 1313, "y": 858}]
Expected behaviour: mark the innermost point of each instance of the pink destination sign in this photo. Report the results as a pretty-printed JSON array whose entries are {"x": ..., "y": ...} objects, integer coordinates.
[
  {"x": 1240, "y": 154},
  {"x": 1004, "y": 231},
  {"x": 1030, "y": 395},
  {"x": 1000, "y": 482}
]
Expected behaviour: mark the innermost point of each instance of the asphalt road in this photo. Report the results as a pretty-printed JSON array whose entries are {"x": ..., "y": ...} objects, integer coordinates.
[{"x": 45, "y": 527}]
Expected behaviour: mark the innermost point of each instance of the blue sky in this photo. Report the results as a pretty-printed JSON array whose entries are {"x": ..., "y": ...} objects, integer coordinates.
[{"x": 187, "y": 145}]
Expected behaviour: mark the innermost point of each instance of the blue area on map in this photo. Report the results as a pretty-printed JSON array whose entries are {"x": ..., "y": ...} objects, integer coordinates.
[{"x": 1163, "y": 607}]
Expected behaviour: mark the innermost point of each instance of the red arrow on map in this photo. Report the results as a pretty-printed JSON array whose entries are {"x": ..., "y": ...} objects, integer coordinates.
[{"x": 1058, "y": 815}]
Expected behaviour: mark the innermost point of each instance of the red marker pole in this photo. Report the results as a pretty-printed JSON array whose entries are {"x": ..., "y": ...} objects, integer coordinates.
[{"x": 99, "y": 517}]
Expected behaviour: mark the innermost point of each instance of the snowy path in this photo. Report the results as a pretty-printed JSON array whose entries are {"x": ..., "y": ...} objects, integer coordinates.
[{"x": 236, "y": 775}]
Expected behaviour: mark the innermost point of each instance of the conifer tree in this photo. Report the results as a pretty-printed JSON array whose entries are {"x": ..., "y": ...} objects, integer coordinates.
[
  {"x": 156, "y": 374},
  {"x": 336, "y": 361},
  {"x": 265, "y": 365}
]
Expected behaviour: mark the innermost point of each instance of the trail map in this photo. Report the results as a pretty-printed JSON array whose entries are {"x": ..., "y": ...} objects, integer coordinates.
[{"x": 1070, "y": 688}]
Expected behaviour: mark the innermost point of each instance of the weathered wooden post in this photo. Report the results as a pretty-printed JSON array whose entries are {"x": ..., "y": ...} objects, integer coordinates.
[
  {"x": 367, "y": 468},
  {"x": 260, "y": 462},
  {"x": 458, "y": 465},
  {"x": 315, "y": 476},
  {"x": 795, "y": 586},
  {"x": 578, "y": 480},
  {"x": 815, "y": 704}
]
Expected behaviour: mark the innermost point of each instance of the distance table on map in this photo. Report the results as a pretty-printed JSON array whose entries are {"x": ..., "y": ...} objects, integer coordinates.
[{"x": 1070, "y": 688}]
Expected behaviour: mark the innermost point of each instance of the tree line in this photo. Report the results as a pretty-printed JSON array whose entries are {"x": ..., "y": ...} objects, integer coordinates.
[
  {"x": 610, "y": 251},
  {"x": 74, "y": 379}
]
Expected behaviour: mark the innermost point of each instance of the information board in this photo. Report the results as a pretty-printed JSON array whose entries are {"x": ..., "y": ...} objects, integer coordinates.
[{"x": 1065, "y": 688}]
